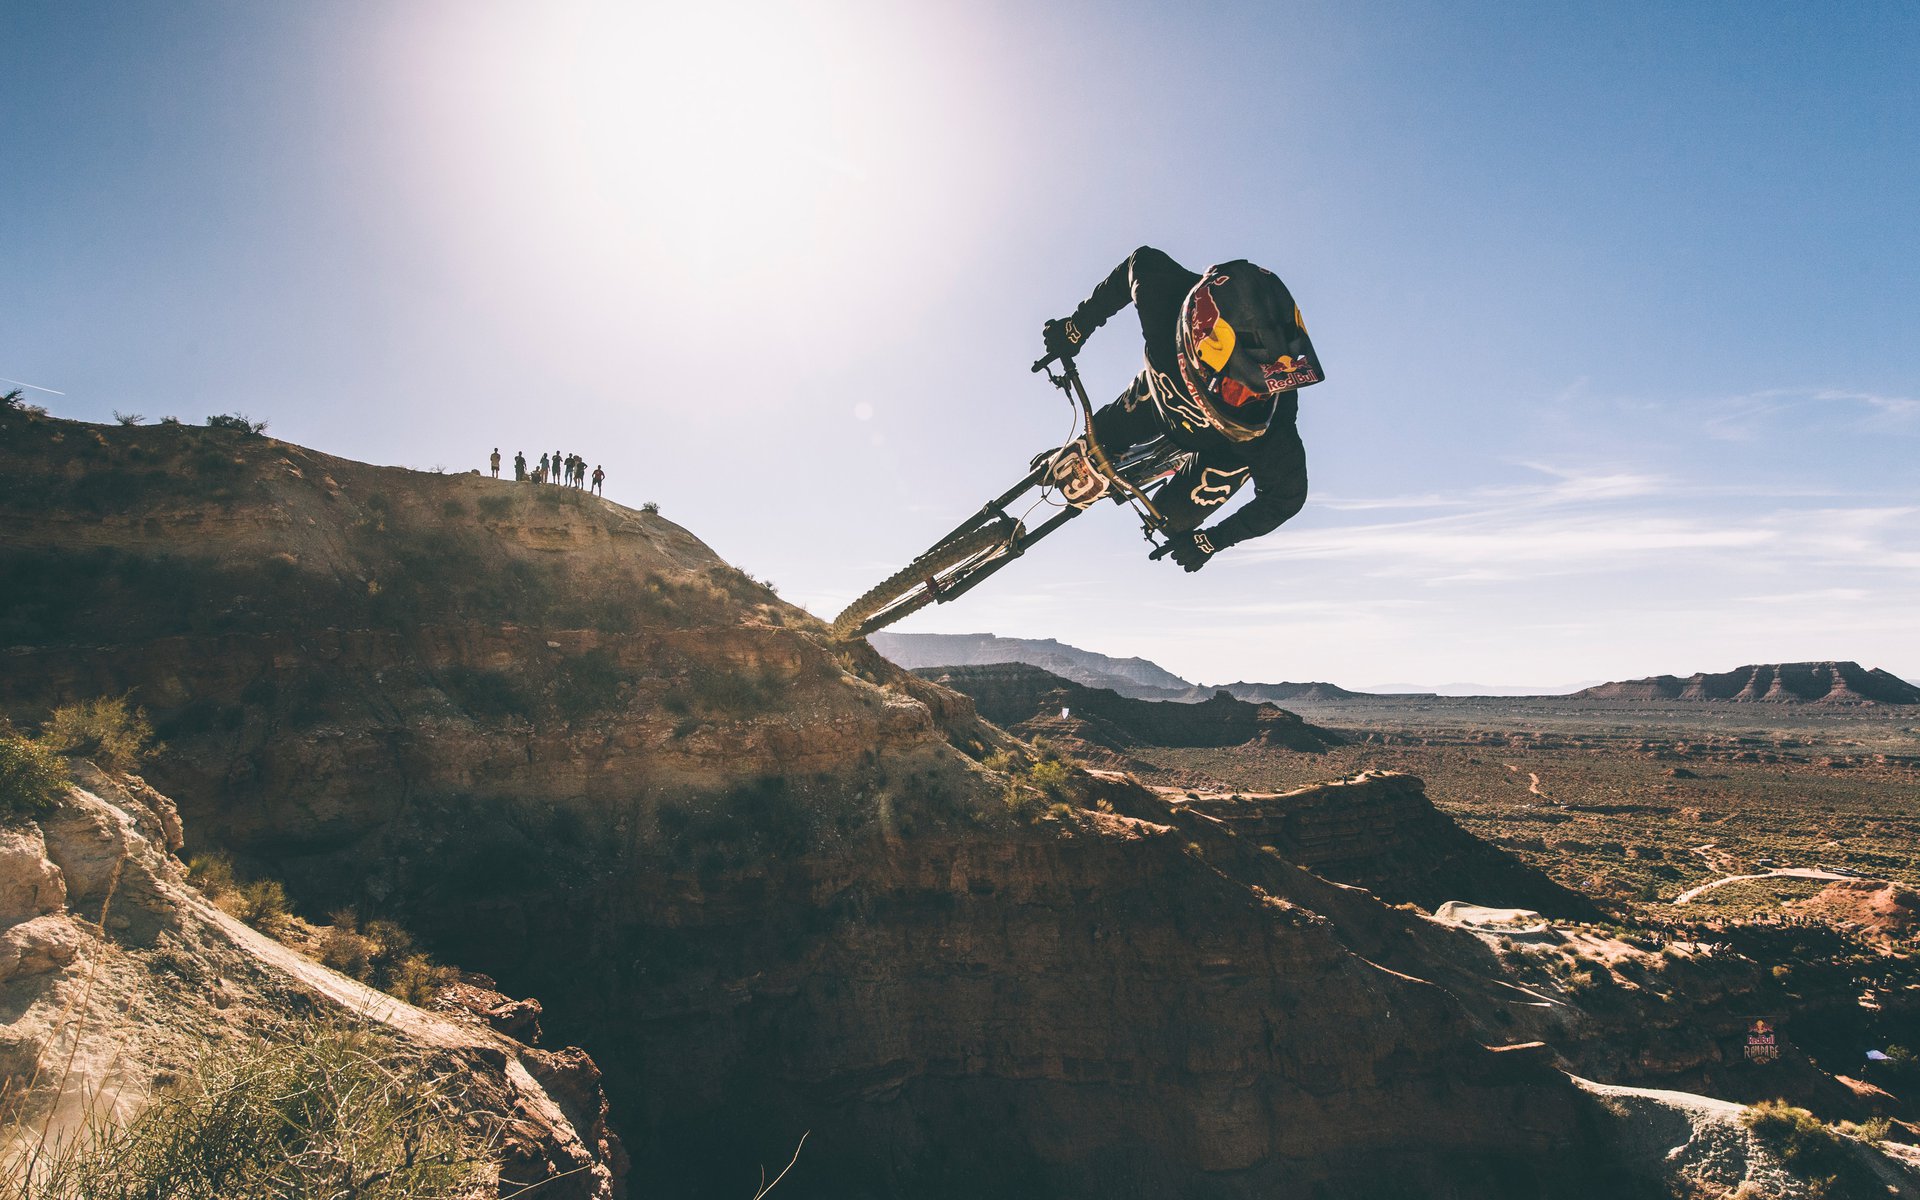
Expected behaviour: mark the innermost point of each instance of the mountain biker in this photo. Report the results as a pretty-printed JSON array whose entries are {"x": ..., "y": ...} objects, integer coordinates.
[{"x": 1226, "y": 355}]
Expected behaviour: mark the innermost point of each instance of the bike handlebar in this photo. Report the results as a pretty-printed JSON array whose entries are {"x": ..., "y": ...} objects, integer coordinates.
[{"x": 1041, "y": 364}]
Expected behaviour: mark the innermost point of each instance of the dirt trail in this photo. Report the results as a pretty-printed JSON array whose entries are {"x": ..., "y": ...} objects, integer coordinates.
[
  {"x": 1533, "y": 781},
  {"x": 416, "y": 1024},
  {"x": 1783, "y": 872},
  {"x": 352, "y": 995}
]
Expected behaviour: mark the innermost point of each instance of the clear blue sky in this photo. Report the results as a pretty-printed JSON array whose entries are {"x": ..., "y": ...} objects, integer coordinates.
[{"x": 1618, "y": 301}]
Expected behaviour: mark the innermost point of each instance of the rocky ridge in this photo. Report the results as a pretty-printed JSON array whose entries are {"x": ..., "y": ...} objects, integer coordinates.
[
  {"x": 116, "y": 974},
  {"x": 1835, "y": 683},
  {"x": 1133, "y": 677}
]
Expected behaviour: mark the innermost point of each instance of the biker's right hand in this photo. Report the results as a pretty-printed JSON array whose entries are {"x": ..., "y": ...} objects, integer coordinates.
[{"x": 1063, "y": 338}]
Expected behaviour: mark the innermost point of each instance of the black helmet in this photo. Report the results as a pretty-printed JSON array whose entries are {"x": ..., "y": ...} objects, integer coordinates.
[{"x": 1241, "y": 345}]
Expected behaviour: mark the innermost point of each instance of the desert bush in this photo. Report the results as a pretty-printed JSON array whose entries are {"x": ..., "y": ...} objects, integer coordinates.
[
  {"x": 1033, "y": 788},
  {"x": 1874, "y": 1130},
  {"x": 1050, "y": 776},
  {"x": 212, "y": 874},
  {"x": 382, "y": 955},
  {"x": 31, "y": 778},
  {"x": 103, "y": 729},
  {"x": 1902, "y": 1065},
  {"x": 261, "y": 904},
  {"x": 128, "y": 418},
  {"x": 317, "y": 1109},
  {"x": 417, "y": 979},
  {"x": 1809, "y": 1147},
  {"x": 238, "y": 422},
  {"x": 12, "y": 400},
  {"x": 650, "y": 508},
  {"x": 345, "y": 949}
]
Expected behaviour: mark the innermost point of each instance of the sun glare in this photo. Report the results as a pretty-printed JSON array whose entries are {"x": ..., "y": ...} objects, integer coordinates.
[{"x": 628, "y": 156}]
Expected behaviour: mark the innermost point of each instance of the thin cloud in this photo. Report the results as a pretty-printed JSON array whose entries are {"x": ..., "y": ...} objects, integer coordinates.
[
  {"x": 1747, "y": 417},
  {"x": 1588, "y": 522}
]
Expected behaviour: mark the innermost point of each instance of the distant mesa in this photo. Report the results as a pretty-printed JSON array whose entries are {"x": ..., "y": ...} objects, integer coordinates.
[
  {"x": 1100, "y": 724},
  {"x": 1292, "y": 693},
  {"x": 1135, "y": 678},
  {"x": 1779, "y": 683}
]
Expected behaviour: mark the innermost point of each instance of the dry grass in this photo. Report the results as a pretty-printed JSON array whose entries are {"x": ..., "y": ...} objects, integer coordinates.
[{"x": 316, "y": 1109}]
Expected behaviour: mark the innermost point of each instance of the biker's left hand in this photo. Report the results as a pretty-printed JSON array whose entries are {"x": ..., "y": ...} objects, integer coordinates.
[
  {"x": 1062, "y": 338},
  {"x": 1191, "y": 550}
]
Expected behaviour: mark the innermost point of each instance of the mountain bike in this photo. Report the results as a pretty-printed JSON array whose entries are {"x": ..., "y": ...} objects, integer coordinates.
[{"x": 1069, "y": 480}]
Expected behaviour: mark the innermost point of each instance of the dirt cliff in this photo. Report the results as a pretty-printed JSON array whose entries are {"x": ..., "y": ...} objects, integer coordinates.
[
  {"x": 768, "y": 881},
  {"x": 116, "y": 976}
]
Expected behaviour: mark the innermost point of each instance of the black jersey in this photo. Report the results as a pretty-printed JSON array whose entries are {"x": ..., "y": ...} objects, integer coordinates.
[{"x": 1157, "y": 286}]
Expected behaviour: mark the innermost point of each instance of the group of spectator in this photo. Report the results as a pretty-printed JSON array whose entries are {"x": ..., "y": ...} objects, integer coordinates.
[{"x": 570, "y": 471}]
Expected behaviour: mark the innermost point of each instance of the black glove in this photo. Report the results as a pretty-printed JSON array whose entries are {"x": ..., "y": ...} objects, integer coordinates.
[
  {"x": 1062, "y": 337},
  {"x": 1191, "y": 550}
]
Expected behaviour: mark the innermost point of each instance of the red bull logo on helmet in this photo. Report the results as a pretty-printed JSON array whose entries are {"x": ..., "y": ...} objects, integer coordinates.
[
  {"x": 1211, "y": 335},
  {"x": 1289, "y": 371}
]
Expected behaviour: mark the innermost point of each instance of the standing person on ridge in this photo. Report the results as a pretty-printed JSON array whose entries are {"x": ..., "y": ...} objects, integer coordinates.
[
  {"x": 519, "y": 466},
  {"x": 599, "y": 477},
  {"x": 1226, "y": 354},
  {"x": 494, "y": 462}
]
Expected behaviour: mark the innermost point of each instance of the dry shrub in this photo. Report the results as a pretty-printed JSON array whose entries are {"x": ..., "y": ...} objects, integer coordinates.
[
  {"x": 261, "y": 903},
  {"x": 31, "y": 778},
  {"x": 103, "y": 729},
  {"x": 1808, "y": 1146},
  {"x": 318, "y": 1109},
  {"x": 383, "y": 955}
]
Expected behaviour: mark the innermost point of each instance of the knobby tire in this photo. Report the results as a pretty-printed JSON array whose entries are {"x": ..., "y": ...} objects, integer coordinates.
[{"x": 906, "y": 590}]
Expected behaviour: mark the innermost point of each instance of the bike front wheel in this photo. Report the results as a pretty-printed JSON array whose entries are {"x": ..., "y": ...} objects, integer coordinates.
[{"x": 927, "y": 578}]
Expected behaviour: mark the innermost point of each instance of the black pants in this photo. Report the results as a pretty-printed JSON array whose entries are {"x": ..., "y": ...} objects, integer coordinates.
[{"x": 1203, "y": 481}]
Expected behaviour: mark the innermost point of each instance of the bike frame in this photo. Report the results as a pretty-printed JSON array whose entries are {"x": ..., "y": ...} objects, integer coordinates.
[{"x": 1143, "y": 461}]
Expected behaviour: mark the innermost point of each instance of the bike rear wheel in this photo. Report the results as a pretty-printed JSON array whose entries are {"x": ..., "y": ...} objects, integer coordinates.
[{"x": 919, "y": 583}]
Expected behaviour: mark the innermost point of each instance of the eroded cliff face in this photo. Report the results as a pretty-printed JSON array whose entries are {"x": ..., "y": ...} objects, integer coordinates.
[
  {"x": 1098, "y": 1005},
  {"x": 1379, "y": 830},
  {"x": 116, "y": 975},
  {"x": 765, "y": 879}
]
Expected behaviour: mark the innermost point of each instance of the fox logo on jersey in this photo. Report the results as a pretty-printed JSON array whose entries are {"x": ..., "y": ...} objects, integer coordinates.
[{"x": 1217, "y": 486}]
